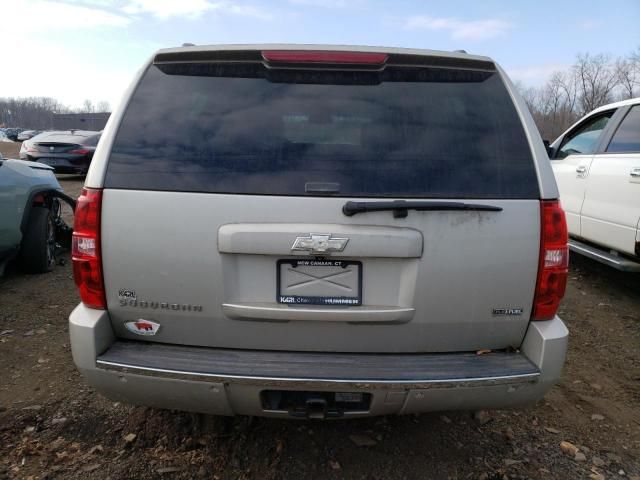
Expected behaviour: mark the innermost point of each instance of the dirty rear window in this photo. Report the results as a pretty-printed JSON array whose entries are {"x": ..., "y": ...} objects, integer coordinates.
[{"x": 244, "y": 129}]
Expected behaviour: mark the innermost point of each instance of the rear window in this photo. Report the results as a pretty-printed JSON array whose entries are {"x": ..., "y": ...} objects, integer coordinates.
[
  {"x": 91, "y": 141},
  {"x": 245, "y": 129},
  {"x": 627, "y": 138}
]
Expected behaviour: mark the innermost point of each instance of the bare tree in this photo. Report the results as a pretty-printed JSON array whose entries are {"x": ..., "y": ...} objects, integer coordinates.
[
  {"x": 103, "y": 106},
  {"x": 628, "y": 73},
  {"x": 569, "y": 85},
  {"x": 593, "y": 81},
  {"x": 552, "y": 106},
  {"x": 87, "y": 107},
  {"x": 597, "y": 80},
  {"x": 553, "y": 98},
  {"x": 30, "y": 112},
  {"x": 530, "y": 95}
]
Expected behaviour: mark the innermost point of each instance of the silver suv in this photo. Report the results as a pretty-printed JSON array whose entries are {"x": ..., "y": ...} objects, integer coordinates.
[{"x": 320, "y": 231}]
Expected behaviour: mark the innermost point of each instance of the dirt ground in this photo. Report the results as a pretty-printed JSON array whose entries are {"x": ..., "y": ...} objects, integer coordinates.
[
  {"x": 10, "y": 149},
  {"x": 52, "y": 425}
]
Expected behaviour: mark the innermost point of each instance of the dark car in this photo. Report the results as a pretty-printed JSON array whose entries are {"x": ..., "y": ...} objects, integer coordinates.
[
  {"x": 12, "y": 133},
  {"x": 68, "y": 151}
]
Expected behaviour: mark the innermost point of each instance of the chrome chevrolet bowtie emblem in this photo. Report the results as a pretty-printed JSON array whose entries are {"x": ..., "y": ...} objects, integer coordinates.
[{"x": 319, "y": 243}]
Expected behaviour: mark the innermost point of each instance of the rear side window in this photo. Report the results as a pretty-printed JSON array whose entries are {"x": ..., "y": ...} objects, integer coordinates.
[
  {"x": 627, "y": 137},
  {"x": 246, "y": 129}
]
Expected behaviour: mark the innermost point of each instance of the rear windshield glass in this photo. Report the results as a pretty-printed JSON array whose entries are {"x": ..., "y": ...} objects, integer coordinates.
[
  {"x": 246, "y": 129},
  {"x": 91, "y": 141}
]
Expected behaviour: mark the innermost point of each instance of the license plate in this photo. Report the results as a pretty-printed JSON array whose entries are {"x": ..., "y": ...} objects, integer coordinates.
[
  {"x": 347, "y": 397},
  {"x": 50, "y": 161},
  {"x": 319, "y": 282}
]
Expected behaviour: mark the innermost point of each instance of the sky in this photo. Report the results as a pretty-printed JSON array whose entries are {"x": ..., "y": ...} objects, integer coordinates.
[{"x": 74, "y": 50}]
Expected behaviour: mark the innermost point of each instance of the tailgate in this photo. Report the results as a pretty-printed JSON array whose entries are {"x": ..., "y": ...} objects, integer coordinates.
[
  {"x": 223, "y": 220},
  {"x": 433, "y": 282}
]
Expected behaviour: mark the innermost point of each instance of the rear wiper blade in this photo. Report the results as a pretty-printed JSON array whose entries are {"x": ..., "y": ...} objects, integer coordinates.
[{"x": 400, "y": 208}]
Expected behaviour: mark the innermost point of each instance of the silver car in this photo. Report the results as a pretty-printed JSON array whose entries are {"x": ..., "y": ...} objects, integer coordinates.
[
  {"x": 320, "y": 232},
  {"x": 27, "y": 134}
]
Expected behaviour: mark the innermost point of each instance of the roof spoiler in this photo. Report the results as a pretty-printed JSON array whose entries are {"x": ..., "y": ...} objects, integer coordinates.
[{"x": 257, "y": 56}]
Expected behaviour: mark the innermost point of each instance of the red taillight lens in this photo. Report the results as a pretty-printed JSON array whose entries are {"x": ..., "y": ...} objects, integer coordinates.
[
  {"x": 311, "y": 56},
  {"x": 79, "y": 151},
  {"x": 85, "y": 249},
  {"x": 554, "y": 261}
]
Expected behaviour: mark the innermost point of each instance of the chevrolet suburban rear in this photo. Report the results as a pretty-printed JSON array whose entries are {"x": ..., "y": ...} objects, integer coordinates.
[{"x": 319, "y": 232}]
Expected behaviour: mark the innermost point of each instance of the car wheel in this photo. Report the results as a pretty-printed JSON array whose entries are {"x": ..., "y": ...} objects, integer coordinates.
[{"x": 38, "y": 250}]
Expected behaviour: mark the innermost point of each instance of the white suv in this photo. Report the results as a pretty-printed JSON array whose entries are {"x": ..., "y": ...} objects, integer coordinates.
[{"x": 597, "y": 166}]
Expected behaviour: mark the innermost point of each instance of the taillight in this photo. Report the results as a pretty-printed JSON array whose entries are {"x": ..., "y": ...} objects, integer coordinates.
[
  {"x": 328, "y": 57},
  {"x": 554, "y": 261},
  {"x": 85, "y": 249},
  {"x": 79, "y": 151}
]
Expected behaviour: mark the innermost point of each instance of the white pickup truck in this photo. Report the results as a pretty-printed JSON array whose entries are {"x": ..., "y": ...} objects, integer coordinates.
[{"x": 597, "y": 167}]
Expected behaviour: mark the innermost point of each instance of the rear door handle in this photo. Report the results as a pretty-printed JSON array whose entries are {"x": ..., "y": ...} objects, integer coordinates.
[
  {"x": 581, "y": 170},
  {"x": 635, "y": 172}
]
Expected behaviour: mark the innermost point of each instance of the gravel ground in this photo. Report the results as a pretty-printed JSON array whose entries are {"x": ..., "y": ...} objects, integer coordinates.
[{"x": 52, "y": 425}]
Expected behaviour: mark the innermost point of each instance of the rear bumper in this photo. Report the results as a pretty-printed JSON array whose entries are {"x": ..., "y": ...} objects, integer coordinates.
[
  {"x": 228, "y": 382},
  {"x": 62, "y": 164}
]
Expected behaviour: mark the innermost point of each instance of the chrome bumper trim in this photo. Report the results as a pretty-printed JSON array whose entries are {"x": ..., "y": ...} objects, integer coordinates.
[{"x": 319, "y": 382}]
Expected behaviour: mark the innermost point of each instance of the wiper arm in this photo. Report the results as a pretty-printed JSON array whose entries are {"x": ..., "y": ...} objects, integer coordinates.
[{"x": 400, "y": 208}]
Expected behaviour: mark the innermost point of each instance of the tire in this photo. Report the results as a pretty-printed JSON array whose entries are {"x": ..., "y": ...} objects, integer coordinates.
[{"x": 38, "y": 250}]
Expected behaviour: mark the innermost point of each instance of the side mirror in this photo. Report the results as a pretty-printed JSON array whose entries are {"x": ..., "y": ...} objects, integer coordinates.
[{"x": 550, "y": 151}]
